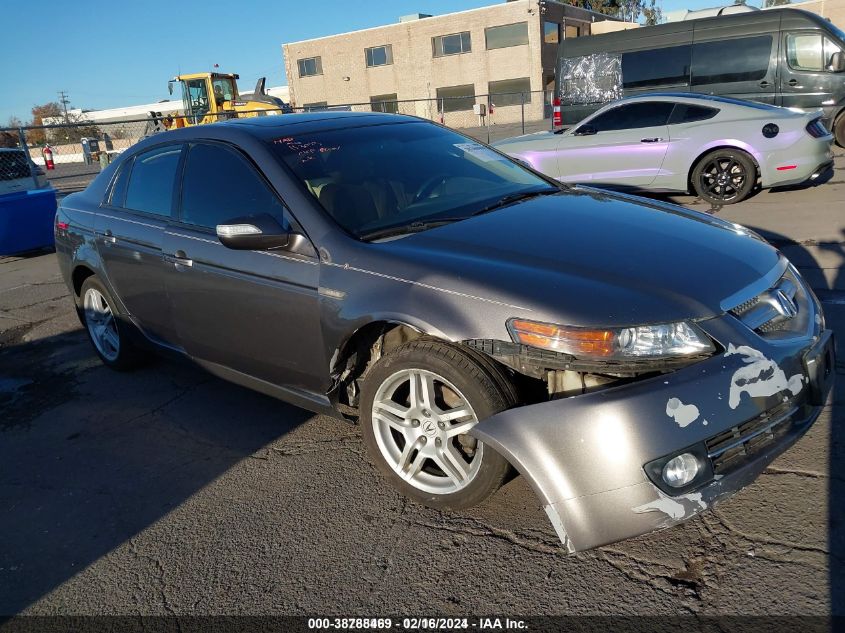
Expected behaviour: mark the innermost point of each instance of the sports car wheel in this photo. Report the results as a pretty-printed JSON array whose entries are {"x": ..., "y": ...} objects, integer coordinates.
[
  {"x": 839, "y": 130},
  {"x": 724, "y": 177},
  {"x": 105, "y": 329},
  {"x": 417, "y": 405}
]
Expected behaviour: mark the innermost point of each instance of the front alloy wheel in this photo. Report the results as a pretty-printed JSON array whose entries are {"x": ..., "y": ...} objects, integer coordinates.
[
  {"x": 420, "y": 421},
  {"x": 418, "y": 404}
]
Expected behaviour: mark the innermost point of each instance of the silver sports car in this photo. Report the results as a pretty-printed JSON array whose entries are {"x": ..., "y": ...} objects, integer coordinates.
[{"x": 717, "y": 147}]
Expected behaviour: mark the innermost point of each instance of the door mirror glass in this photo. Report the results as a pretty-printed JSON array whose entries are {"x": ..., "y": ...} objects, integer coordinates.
[
  {"x": 585, "y": 130},
  {"x": 257, "y": 233},
  {"x": 837, "y": 62}
]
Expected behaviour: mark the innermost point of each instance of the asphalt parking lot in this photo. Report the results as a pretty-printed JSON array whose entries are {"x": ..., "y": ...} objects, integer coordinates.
[{"x": 167, "y": 491}]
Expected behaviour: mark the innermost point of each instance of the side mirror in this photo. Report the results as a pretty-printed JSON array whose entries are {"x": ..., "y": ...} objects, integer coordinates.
[
  {"x": 258, "y": 233},
  {"x": 585, "y": 130},
  {"x": 837, "y": 62}
]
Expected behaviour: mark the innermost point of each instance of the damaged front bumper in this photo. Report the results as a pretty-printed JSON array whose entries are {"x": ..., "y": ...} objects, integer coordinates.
[{"x": 585, "y": 456}]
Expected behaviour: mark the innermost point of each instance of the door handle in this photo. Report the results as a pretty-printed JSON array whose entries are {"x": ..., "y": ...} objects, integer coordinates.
[
  {"x": 109, "y": 238},
  {"x": 179, "y": 258},
  {"x": 765, "y": 84},
  {"x": 792, "y": 82},
  {"x": 651, "y": 140}
]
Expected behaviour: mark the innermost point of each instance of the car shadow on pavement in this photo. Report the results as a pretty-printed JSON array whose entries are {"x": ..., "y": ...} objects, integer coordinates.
[
  {"x": 90, "y": 457},
  {"x": 831, "y": 291}
]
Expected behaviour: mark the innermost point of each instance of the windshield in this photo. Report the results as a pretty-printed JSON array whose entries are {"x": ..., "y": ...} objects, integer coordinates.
[{"x": 375, "y": 178}]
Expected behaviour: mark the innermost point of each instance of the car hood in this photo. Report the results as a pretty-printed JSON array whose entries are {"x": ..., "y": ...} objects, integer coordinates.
[{"x": 585, "y": 257}]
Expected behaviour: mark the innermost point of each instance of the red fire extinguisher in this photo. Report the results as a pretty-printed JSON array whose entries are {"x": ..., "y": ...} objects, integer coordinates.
[
  {"x": 48, "y": 158},
  {"x": 557, "y": 118}
]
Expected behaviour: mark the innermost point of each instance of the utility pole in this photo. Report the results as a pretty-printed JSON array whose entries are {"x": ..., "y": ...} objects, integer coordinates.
[{"x": 64, "y": 101}]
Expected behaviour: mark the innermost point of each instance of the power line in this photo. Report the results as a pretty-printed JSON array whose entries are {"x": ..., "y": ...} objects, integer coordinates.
[{"x": 63, "y": 99}]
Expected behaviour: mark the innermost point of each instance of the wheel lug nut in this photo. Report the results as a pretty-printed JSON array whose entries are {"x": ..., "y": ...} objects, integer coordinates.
[
  {"x": 438, "y": 441},
  {"x": 441, "y": 425},
  {"x": 423, "y": 440},
  {"x": 426, "y": 413},
  {"x": 415, "y": 422}
]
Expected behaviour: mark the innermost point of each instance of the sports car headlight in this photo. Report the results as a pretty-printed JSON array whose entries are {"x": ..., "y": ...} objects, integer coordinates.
[{"x": 643, "y": 342}]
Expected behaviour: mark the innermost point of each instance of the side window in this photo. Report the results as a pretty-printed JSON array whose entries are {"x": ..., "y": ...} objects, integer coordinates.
[
  {"x": 686, "y": 113},
  {"x": 208, "y": 202},
  {"x": 809, "y": 51},
  {"x": 632, "y": 116},
  {"x": 656, "y": 67},
  {"x": 152, "y": 180},
  {"x": 728, "y": 61},
  {"x": 117, "y": 195}
]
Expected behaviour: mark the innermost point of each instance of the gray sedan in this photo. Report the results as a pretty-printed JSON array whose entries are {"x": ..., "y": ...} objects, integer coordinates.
[{"x": 636, "y": 362}]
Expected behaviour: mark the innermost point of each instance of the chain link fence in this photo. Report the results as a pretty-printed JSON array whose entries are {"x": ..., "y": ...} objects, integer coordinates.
[{"x": 68, "y": 156}]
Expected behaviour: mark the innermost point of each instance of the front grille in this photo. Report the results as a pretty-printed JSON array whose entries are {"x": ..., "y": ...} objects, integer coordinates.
[
  {"x": 732, "y": 448},
  {"x": 786, "y": 310}
]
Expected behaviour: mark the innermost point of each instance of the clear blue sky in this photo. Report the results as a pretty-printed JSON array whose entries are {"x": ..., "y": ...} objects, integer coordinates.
[{"x": 110, "y": 54}]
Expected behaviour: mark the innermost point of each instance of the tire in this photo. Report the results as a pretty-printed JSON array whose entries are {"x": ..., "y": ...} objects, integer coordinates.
[
  {"x": 423, "y": 437},
  {"x": 107, "y": 331},
  {"x": 724, "y": 176},
  {"x": 839, "y": 130}
]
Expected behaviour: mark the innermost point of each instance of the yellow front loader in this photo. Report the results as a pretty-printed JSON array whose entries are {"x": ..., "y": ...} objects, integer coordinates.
[{"x": 210, "y": 97}]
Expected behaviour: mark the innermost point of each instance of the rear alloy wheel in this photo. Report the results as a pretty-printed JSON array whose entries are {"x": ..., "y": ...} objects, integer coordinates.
[
  {"x": 418, "y": 404},
  {"x": 105, "y": 329},
  {"x": 724, "y": 177},
  {"x": 839, "y": 130}
]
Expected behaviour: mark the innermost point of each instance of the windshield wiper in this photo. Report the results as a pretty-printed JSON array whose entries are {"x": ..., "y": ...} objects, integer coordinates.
[
  {"x": 512, "y": 198},
  {"x": 404, "y": 229}
]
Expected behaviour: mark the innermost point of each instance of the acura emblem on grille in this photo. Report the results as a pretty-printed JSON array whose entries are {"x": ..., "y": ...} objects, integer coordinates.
[{"x": 785, "y": 304}]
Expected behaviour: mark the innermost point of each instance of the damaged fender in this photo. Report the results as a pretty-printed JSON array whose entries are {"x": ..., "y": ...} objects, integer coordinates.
[{"x": 584, "y": 456}]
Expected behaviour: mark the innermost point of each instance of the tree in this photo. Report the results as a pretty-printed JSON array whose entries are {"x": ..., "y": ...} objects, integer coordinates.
[
  {"x": 628, "y": 10},
  {"x": 78, "y": 127},
  {"x": 39, "y": 113}
]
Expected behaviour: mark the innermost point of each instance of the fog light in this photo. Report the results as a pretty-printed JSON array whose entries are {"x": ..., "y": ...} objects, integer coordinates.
[{"x": 680, "y": 470}]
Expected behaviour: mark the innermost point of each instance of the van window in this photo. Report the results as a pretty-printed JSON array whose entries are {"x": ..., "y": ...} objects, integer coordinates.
[
  {"x": 809, "y": 51},
  {"x": 656, "y": 67},
  {"x": 632, "y": 116},
  {"x": 728, "y": 61}
]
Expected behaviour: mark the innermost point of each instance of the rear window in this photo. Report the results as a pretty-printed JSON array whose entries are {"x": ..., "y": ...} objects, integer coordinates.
[
  {"x": 657, "y": 67},
  {"x": 730, "y": 61},
  {"x": 13, "y": 165},
  {"x": 153, "y": 177},
  {"x": 687, "y": 113}
]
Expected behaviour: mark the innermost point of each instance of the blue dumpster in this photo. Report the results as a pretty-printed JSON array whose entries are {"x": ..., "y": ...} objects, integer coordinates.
[{"x": 26, "y": 220}]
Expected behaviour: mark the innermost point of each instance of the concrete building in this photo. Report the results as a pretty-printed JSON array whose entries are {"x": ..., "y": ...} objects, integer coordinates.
[{"x": 451, "y": 60}]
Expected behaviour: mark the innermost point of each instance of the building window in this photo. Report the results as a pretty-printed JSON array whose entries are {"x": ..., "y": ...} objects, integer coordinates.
[
  {"x": 384, "y": 103},
  {"x": 551, "y": 32},
  {"x": 507, "y": 35},
  {"x": 316, "y": 106},
  {"x": 454, "y": 44},
  {"x": 310, "y": 66},
  {"x": 509, "y": 92},
  {"x": 456, "y": 98},
  {"x": 379, "y": 55},
  {"x": 571, "y": 31}
]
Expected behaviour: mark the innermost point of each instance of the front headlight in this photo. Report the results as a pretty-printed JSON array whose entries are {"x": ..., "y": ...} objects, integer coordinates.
[{"x": 643, "y": 342}]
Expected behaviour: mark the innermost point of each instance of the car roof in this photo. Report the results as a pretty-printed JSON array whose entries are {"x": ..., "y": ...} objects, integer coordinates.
[
  {"x": 693, "y": 97},
  {"x": 306, "y": 122}
]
